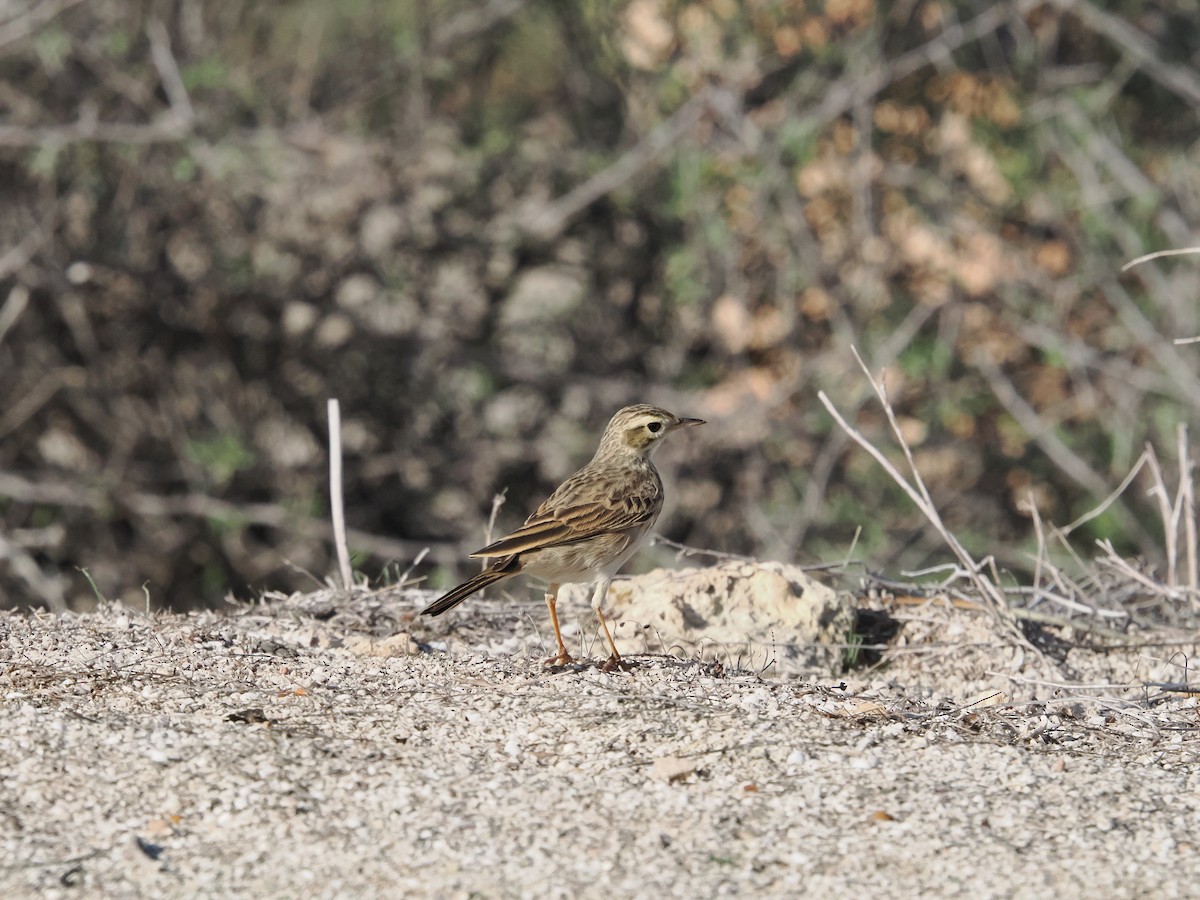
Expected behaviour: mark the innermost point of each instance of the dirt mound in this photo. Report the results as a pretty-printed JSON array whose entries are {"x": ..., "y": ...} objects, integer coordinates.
[{"x": 762, "y": 614}]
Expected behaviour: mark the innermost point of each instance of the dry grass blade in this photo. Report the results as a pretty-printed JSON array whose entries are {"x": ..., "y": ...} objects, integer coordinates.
[
  {"x": 1177, "y": 513},
  {"x": 1067, "y": 588},
  {"x": 988, "y": 591},
  {"x": 1110, "y": 499},
  {"x": 497, "y": 502},
  {"x": 1167, "y": 512},
  {"x": 1187, "y": 505},
  {"x": 1115, "y": 561},
  {"x": 1158, "y": 255}
]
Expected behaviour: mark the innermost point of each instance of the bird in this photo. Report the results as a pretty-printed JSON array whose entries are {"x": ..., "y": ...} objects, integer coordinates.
[{"x": 592, "y": 523}]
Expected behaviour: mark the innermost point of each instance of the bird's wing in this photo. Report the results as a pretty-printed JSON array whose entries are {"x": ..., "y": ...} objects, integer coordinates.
[{"x": 578, "y": 510}]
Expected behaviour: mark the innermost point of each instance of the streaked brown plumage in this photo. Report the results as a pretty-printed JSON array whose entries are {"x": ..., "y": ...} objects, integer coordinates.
[{"x": 590, "y": 525}]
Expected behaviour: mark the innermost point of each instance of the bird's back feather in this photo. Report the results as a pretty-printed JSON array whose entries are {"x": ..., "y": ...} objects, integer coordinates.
[{"x": 566, "y": 518}]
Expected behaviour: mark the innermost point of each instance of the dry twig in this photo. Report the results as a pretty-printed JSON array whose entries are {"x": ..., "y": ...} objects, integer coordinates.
[
  {"x": 1182, "y": 80},
  {"x": 988, "y": 590},
  {"x": 549, "y": 221},
  {"x": 273, "y": 515}
]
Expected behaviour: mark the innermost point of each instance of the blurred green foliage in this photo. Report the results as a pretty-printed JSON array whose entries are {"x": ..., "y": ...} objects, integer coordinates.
[
  {"x": 350, "y": 212},
  {"x": 221, "y": 457}
]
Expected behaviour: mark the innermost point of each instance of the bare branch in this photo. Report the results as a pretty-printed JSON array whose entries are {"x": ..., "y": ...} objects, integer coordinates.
[
  {"x": 168, "y": 72},
  {"x": 172, "y": 126},
  {"x": 1167, "y": 512},
  {"x": 476, "y": 20},
  {"x": 19, "y": 254},
  {"x": 20, "y": 27},
  {"x": 201, "y": 506},
  {"x": 1038, "y": 428},
  {"x": 48, "y": 588},
  {"x": 1179, "y": 79},
  {"x": 849, "y": 92},
  {"x": 683, "y": 551},
  {"x": 549, "y": 221},
  {"x": 167, "y": 129}
]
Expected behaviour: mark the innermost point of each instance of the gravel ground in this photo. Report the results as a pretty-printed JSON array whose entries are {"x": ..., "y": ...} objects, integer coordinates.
[{"x": 277, "y": 751}]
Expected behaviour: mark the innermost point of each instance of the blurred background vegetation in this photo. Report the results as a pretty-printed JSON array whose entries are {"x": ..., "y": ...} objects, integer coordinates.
[{"x": 484, "y": 225}]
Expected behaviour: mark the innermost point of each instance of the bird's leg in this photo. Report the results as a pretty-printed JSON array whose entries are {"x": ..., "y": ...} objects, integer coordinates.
[
  {"x": 551, "y": 602},
  {"x": 614, "y": 661}
]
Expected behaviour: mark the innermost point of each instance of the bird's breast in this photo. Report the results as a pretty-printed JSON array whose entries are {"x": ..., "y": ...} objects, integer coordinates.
[{"x": 581, "y": 561}]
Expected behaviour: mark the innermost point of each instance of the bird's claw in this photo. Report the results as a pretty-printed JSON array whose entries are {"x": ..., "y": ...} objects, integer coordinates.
[{"x": 615, "y": 664}]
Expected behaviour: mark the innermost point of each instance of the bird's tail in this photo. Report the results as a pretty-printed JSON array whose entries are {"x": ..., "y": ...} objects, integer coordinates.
[{"x": 502, "y": 569}]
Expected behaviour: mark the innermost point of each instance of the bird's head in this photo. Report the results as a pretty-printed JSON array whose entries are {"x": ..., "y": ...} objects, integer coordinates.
[{"x": 639, "y": 428}]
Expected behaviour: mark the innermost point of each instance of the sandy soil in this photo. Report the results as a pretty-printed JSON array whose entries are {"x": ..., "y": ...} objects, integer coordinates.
[{"x": 329, "y": 748}]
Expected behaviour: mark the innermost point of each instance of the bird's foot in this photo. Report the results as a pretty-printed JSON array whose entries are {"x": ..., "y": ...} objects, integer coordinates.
[
  {"x": 616, "y": 663},
  {"x": 562, "y": 659}
]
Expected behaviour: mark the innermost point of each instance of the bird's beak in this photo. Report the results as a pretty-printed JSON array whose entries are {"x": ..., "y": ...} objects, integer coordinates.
[{"x": 688, "y": 423}]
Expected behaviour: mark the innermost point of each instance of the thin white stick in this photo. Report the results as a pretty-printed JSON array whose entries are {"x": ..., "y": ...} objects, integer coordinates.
[
  {"x": 335, "y": 494},
  {"x": 1161, "y": 253},
  {"x": 883, "y": 461},
  {"x": 956, "y": 571},
  {"x": 1187, "y": 497},
  {"x": 1073, "y": 605}
]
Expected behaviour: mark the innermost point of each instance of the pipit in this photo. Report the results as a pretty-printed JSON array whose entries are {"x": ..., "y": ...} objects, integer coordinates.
[{"x": 589, "y": 527}]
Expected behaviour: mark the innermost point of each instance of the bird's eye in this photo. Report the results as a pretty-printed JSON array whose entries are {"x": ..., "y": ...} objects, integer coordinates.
[{"x": 654, "y": 427}]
